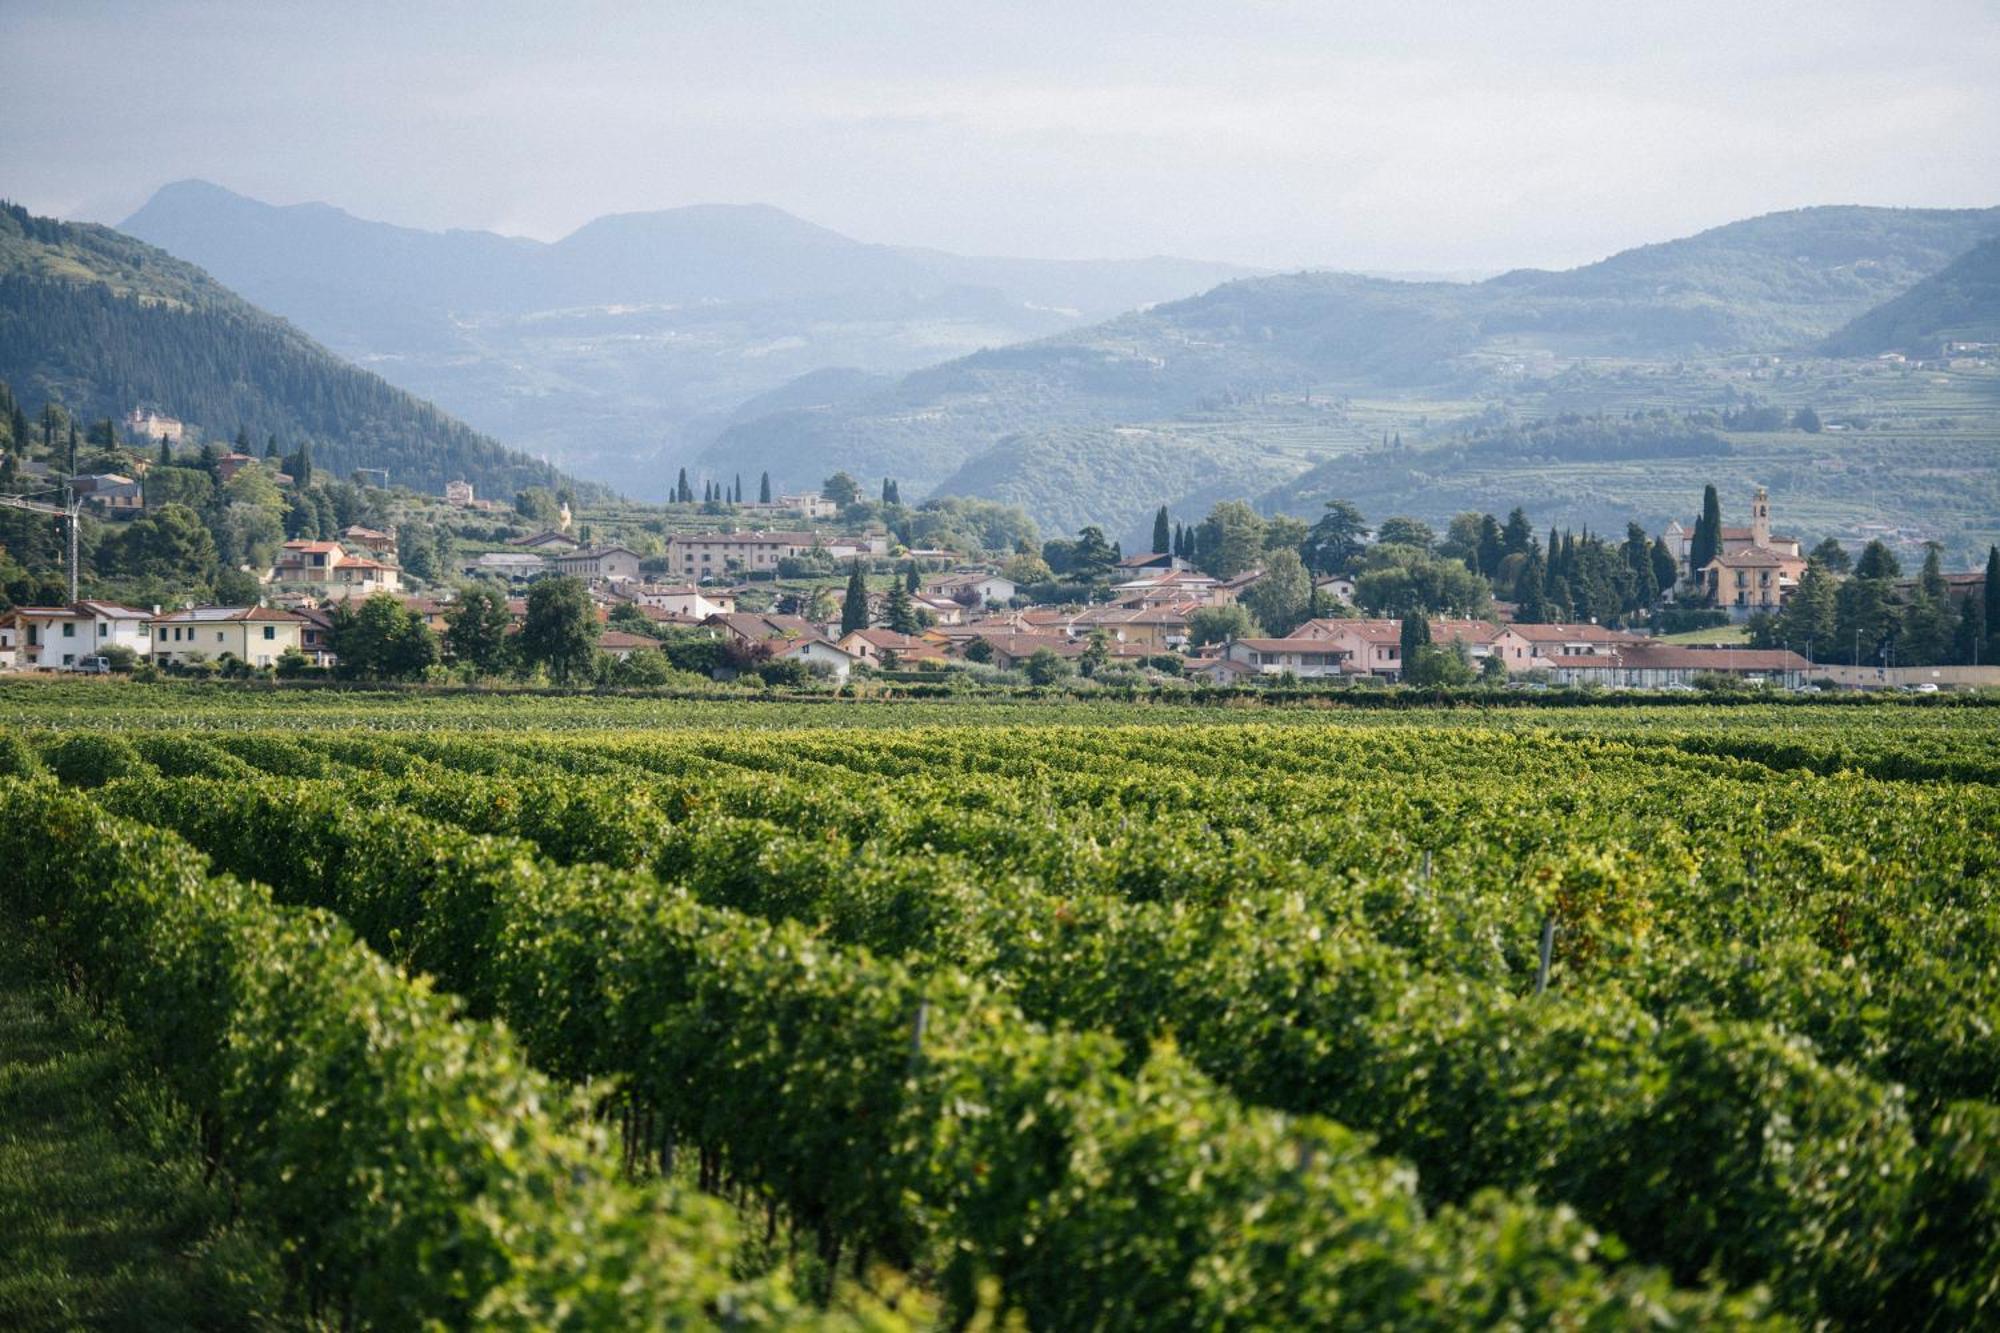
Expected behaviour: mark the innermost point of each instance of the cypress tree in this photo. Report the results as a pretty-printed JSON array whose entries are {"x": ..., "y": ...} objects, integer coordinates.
[
  {"x": 166, "y": 452},
  {"x": 737, "y": 498},
  {"x": 681, "y": 488},
  {"x": 854, "y": 606},
  {"x": 1414, "y": 635},
  {"x": 1161, "y": 535},
  {"x": 764, "y": 490},
  {"x": 1992, "y": 598}
]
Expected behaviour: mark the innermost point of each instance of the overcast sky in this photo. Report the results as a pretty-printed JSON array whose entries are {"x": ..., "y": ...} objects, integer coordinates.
[{"x": 1368, "y": 135}]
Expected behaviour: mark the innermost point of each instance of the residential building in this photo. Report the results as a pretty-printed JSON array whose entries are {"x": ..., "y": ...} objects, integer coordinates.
[
  {"x": 684, "y": 600},
  {"x": 871, "y": 645},
  {"x": 1165, "y": 588},
  {"x": 253, "y": 634},
  {"x": 304, "y": 561},
  {"x": 1157, "y": 629},
  {"x": 975, "y": 588},
  {"x": 60, "y": 637},
  {"x": 458, "y": 493},
  {"x": 369, "y": 539},
  {"x": 599, "y": 564},
  {"x": 1304, "y": 658},
  {"x": 316, "y": 635},
  {"x": 696, "y": 556},
  {"x": 941, "y": 610},
  {"x": 358, "y": 576},
  {"x": 818, "y": 652},
  {"x": 231, "y": 463},
  {"x": 622, "y": 645},
  {"x": 863, "y": 546},
  {"x": 109, "y": 493},
  {"x": 752, "y": 629}
]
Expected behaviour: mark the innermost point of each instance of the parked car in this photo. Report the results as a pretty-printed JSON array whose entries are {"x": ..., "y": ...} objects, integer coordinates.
[{"x": 95, "y": 666}]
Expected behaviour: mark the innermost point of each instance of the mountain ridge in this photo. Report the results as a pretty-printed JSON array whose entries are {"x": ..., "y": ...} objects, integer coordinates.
[{"x": 103, "y": 323}]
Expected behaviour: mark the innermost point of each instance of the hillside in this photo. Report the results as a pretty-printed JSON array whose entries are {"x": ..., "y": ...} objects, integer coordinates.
[
  {"x": 103, "y": 323},
  {"x": 1959, "y": 304},
  {"x": 1765, "y": 284},
  {"x": 630, "y": 341}
]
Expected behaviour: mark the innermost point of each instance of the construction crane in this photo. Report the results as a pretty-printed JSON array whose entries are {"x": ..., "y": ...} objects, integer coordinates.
[{"x": 71, "y": 509}]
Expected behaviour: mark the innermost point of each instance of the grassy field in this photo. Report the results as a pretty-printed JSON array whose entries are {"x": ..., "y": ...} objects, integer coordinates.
[{"x": 1716, "y": 634}]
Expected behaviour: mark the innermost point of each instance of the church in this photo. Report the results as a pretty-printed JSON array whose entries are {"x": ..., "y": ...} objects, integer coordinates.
[{"x": 1753, "y": 571}]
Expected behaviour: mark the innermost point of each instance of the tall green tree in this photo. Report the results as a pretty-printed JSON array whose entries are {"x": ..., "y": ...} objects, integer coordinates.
[
  {"x": 476, "y": 628},
  {"x": 764, "y": 490},
  {"x": 1808, "y": 621},
  {"x": 1336, "y": 540},
  {"x": 1531, "y": 605},
  {"x": 1413, "y": 636},
  {"x": 1232, "y": 540},
  {"x": 559, "y": 632},
  {"x": 899, "y": 612},
  {"x": 1706, "y": 542},
  {"x": 383, "y": 640},
  {"x": 1927, "y": 622},
  {"x": 1282, "y": 599},
  {"x": 840, "y": 488},
  {"x": 1877, "y": 562},
  {"x": 1991, "y": 596},
  {"x": 1162, "y": 538},
  {"x": 1517, "y": 538},
  {"x": 854, "y": 606}
]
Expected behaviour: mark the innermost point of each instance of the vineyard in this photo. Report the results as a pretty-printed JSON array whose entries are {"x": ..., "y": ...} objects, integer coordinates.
[{"x": 602, "y": 1013}]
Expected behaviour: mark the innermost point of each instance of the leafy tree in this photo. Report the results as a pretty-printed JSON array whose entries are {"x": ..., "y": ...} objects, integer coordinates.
[
  {"x": 236, "y": 587},
  {"x": 1162, "y": 537},
  {"x": 1284, "y": 532},
  {"x": 1401, "y": 531},
  {"x": 1045, "y": 667},
  {"x": 1807, "y": 420},
  {"x": 1282, "y": 599},
  {"x": 1096, "y": 654},
  {"x": 840, "y": 488},
  {"x": 1461, "y": 539},
  {"x": 1877, "y": 562},
  {"x": 1517, "y": 538},
  {"x": 1807, "y": 621},
  {"x": 1220, "y": 624},
  {"x": 1441, "y": 665},
  {"x": 1023, "y": 570},
  {"x": 1399, "y": 580},
  {"x": 1492, "y": 670},
  {"x": 537, "y": 504},
  {"x": 560, "y": 630},
  {"x": 171, "y": 543},
  {"x": 978, "y": 650},
  {"x": 1232, "y": 539},
  {"x": 854, "y": 607},
  {"x": 1089, "y": 557},
  {"x": 381, "y": 641},
  {"x": 1865, "y": 619},
  {"x": 1336, "y": 540},
  {"x": 1832, "y": 556}
]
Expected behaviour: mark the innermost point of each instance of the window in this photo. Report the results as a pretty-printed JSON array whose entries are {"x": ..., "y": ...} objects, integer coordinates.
[
  {"x": 69, "y": 629},
  {"x": 218, "y": 636},
  {"x": 270, "y": 631}
]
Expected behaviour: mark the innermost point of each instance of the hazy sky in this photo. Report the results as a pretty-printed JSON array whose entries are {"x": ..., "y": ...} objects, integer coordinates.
[{"x": 1367, "y": 135}]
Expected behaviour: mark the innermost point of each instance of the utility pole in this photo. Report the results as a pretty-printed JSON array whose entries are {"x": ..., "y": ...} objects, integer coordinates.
[{"x": 71, "y": 510}]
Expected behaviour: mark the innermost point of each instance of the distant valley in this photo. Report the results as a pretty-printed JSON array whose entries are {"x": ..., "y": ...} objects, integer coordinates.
[{"x": 627, "y": 344}]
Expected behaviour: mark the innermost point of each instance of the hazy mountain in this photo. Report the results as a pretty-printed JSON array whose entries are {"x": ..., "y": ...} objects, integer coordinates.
[
  {"x": 1959, "y": 304},
  {"x": 637, "y": 333},
  {"x": 104, "y": 323},
  {"x": 1768, "y": 283}
]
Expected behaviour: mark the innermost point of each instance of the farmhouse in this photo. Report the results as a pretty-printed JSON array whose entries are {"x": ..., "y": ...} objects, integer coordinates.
[
  {"x": 702, "y": 555},
  {"x": 61, "y": 637}
]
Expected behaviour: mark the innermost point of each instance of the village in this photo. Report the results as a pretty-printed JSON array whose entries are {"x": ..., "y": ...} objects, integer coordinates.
[{"x": 771, "y": 601}]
